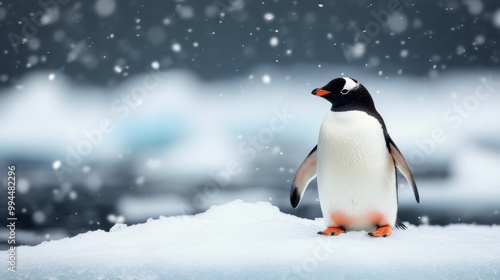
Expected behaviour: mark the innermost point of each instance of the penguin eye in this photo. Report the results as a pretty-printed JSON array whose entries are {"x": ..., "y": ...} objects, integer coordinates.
[{"x": 344, "y": 91}]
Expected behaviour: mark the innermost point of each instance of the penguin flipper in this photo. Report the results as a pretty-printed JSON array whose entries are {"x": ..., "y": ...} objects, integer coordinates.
[
  {"x": 403, "y": 167},
  {"x": 304, "y": 175}
]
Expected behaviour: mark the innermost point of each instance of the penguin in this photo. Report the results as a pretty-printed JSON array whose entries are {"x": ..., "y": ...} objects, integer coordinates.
[{"x": 355, "y": 163}]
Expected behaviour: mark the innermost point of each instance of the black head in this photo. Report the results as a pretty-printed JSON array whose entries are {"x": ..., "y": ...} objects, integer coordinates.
[{"x": 346, "y": 94}]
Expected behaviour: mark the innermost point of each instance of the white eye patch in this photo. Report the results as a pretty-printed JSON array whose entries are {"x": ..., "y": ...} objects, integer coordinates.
[{"x": 349, "y": 85}]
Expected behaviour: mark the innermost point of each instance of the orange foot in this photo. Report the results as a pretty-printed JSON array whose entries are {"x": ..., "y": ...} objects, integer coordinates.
[
  {"x": 382, "y": 231},
  {"x": 333, "y": 231}
]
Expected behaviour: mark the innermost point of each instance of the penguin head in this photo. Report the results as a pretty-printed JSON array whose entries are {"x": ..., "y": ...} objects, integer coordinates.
[{"x": 346, "y": 94}]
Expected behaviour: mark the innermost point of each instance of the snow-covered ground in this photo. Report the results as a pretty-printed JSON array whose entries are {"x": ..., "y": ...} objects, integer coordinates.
[{"x": 256, "y": 241}]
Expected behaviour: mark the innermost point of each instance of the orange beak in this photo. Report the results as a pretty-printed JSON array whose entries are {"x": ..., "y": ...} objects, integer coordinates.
[{"x": 320, "y": 92}]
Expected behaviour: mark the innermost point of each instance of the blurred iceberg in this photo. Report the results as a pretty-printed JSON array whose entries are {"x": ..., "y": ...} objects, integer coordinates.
[{"x": 189, "y": 143}]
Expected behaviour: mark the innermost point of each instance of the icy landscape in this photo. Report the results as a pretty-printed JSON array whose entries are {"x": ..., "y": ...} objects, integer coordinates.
[
  {"x": 158, "y": 139},
  {"x": 241, "y": 240},
  {"x": 257, "y": 241}
]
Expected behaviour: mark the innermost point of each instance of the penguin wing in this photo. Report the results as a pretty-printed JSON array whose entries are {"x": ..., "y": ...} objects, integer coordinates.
[
  {"x": 403, "y": 166},
  {"x": 304, "y": 175}
]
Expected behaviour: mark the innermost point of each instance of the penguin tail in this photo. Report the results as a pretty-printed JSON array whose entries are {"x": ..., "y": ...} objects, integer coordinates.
[{"x": 400, "y": 225}]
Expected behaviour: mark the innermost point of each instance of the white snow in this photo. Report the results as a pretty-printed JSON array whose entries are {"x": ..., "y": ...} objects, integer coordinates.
[
  {"x": 56, "y": 164},
  {"x": 358, "y": 50},
  {"x": 118, "y": 69},
  {"x": 268, "y": 16},
  {"x": 155, "y": 65},
  {"x": 105, "y": 8},
  {"x": 403, "y": 53},
  {"x": 274, "y": 41},
  {"x": 479, "y": 40},
  {"x": 39, "y": 217},
  {"x": 23, "y": 186},
  {"x": 496, "y": 19},
  {"x": 3, "y": 13},
  {"x": 185, "y": 12},
  {"x": 255, "y": 241},
  {"x": 475, "y": 7},
  {"x": 266, "y": 79},
  {"x": 137, "y": 209},
  {"x": 397, "y": 23},
  {"x": 176, "y": 47}
]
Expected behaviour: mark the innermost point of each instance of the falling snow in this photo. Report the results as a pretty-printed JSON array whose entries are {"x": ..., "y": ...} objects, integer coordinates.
[
  {"x": 403, "y": 53},
  {"x": 496, "y": 19},
  {"x": 105, "y": 8},
  {"x": 80, "y": 48},
  {"x": 358, "y": 50},
  {"x": 479, "y": 40},
  {"x": 176, "y": 47},
  {"x": 268, "y": 16},
  {"x": 56, "y": 165},
  {"x": 274, "y": 41},
  {"x": 397, "y": 23},
  {"x": 23, "y": 185},
  {"x": 266, "y": 79},
  {"x": 155, "y": 65}
]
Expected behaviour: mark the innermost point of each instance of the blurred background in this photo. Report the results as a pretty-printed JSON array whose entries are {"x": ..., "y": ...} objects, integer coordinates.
[{"x": 120, "y": 111}]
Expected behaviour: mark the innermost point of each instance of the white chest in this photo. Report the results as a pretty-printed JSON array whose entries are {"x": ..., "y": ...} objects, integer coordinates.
[
  {"x": 355, "y": 172},
  {"x": 351, "y": 142}
]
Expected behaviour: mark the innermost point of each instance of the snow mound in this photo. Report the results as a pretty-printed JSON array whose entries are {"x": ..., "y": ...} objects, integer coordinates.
[{"x": 242, "y": 240}]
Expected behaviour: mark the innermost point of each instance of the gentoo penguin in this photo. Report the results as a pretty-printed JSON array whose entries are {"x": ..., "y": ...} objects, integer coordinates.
[{"x": 355, "y": 163}]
